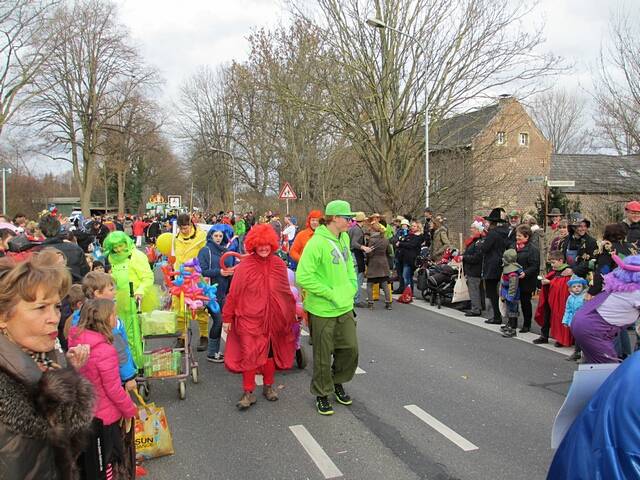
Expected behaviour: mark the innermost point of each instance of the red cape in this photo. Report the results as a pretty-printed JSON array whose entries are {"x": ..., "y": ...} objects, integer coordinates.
[
  {"x": 552, "y": 301},
  {"x": 262, "y": 311}
]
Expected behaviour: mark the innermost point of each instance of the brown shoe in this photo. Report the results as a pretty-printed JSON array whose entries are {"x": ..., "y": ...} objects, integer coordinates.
[
  {"x": 269, "y": 393},
  {"x": 246, "y": 401}
]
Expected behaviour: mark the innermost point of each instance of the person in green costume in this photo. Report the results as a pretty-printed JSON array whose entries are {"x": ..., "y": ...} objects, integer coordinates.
[
  {"x": 130, "y": 267},
  {"x": 327, "y": 275}
]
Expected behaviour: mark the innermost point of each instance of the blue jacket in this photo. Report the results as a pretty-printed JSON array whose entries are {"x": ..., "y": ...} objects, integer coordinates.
[
  {"x": 127, "y": 366},
  {"x": 604, "y": 440},
  {"x": 209, "y": 259},
  {"x": 574, "y": 302}
]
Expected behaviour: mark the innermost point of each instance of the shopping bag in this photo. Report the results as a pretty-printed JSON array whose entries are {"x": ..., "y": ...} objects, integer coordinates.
[
  {"x": 153, "y": 436},
  {"x": 376, "y": 292},
  {"x": 460, "y": 289}
]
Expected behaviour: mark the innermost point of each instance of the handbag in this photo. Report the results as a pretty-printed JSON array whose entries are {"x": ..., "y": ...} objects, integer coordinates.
[
  {"x": 153, "y": 436},
  {"x": 460, "y": 289}
]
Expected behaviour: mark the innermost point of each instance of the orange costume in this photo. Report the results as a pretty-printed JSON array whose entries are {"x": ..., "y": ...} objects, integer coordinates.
[{"x": 303, "y": 237}]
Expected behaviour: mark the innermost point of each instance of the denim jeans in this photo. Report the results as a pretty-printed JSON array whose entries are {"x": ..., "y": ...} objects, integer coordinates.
[
  {"x": 358, "y": 297},
  {"x": 407, "y": 275},
  {"x": 215, "y": 333}
]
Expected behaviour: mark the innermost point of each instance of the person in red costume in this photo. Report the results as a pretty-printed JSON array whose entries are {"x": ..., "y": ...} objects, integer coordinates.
[
  {"x": 258, "y": 316},
  {"x": 313, "y": 221}
]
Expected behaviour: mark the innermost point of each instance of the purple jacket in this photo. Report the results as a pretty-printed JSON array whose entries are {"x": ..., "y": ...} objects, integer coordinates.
[{"x": 112, "y": 401}]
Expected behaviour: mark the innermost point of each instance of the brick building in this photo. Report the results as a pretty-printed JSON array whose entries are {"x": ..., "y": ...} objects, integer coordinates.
[{"x": 494, "y": 156}]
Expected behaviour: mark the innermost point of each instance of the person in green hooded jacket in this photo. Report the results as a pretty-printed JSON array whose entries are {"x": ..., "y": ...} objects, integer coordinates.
[
  {"x": 327, "y": 275},
  {"x": 129, "y": 266}
]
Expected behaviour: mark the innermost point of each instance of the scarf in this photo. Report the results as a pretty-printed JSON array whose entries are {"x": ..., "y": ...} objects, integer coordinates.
[{"x": 521, "y": 245}]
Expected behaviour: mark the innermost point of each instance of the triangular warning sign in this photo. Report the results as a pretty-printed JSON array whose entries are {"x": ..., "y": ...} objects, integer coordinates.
[{"x": 287, "y": 193}]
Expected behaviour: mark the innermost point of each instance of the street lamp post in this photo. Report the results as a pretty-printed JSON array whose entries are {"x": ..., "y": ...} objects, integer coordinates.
[
  {"x": 233, "y": 172},
  {"x": 5, "y": 171},
  {"x": 377, "y": 23}
]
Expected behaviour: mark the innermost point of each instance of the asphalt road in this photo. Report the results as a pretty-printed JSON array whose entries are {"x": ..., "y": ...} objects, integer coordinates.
[{"x": 439, "y": 399}]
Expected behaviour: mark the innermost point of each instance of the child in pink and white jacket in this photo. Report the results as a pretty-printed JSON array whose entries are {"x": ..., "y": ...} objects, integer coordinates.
[{"x": 104, "y": 456}]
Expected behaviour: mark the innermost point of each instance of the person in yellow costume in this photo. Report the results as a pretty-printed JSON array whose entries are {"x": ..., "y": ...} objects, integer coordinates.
[{"x": 187, "y": 244}]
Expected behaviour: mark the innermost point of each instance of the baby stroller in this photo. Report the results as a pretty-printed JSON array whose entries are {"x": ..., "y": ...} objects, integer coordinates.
[{"x": 439, "y": 284}]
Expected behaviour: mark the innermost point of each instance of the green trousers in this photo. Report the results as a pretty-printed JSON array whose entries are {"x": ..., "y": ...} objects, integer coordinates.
[{"x": 333, "y": 336}]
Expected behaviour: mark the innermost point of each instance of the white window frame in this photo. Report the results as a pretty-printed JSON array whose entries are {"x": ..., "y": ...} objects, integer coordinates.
[
  {"x": 501, "y": 138},
  {"x": 524, "y": 136}
]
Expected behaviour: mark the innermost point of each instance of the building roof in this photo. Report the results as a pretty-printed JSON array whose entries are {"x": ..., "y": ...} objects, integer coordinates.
[
  {"x": 460, "y": 130},
  {"x": 597, "y": 173}
]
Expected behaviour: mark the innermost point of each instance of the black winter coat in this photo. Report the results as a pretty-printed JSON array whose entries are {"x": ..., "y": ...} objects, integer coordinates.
[
  {"x": 529, "y": 260},
  {"x": 587, "y": 248},
  {"x": 409, "y": 248},
  {"x": 605, "y": 263},
  {"x": 472, "y": 258},
  {"x": 633, "y": 232},
  {"x": 76, "y": 261},
  {"x": 492, "y": 248},
  {"x": 44, "y": 418}
]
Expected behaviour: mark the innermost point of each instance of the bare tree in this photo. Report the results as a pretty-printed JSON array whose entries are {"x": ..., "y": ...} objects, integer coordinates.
[
  {"x": 24, "y": 47},
  {"x": 561, "y": 117},
  {"x": 84, "y": 84},
  {"x": 618, "y": 86},
  {"x": 472, "y": 47}
]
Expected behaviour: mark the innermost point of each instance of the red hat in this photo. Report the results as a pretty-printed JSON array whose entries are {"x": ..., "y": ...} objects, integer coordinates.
[{"x": 633, "y": 206}]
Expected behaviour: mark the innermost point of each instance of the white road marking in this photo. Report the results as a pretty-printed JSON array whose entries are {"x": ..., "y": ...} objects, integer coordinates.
[
  {"x": 259, "y": 380},
  {"x": 359, "y": 371},
  {"x": 315, "y": 451},
  {"x": 441, "y": 428},
  {"x": 479, "y": 322}
]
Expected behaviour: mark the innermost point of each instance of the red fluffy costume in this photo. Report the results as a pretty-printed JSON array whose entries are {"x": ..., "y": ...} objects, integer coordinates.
[
  {"x": 552, "y": 302},
  {"x": 261, "y": 310}
]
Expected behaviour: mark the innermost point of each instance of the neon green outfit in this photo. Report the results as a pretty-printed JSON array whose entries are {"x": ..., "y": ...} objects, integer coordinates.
[
  {"x": 326, "y": 273},
  {"x": 240, "y": 228},
  {"x": 131, "y": 266}
]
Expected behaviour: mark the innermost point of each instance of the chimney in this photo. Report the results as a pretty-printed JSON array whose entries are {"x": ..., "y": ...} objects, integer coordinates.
[{"x": 504, "y": 98}]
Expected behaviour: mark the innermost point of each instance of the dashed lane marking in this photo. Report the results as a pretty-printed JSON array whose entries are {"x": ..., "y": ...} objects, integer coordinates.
[
  {"x": 441, "y": 428},
  {"x": 316, "y": 452},
  {"x": 359, "y": 371}
]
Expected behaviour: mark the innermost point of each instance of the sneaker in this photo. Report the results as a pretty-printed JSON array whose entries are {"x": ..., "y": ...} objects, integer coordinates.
[
  {"x": 341, "y": 395},
  {"x": 524, "y": 330},
  {"x": 370, "y": 305},
  {"x": 504, "y": 327},
  {"x": 509, "y": 333},
  {"x": 323, "y": 406},
  {"x": 540, "y": 340},
  {"x": 387, "y": 306},
  {"x": 217, "y": 358},
  {"x": 493, "y": 322},
  {"x": 204, "y": 343},
  {"x": 574, "y": 357},
  {"x": 246, "y": 401},
  {"x": 472, "y": 314}
]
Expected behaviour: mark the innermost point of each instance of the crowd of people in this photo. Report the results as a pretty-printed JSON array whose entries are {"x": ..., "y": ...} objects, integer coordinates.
[{"x": 70, "y": 292}]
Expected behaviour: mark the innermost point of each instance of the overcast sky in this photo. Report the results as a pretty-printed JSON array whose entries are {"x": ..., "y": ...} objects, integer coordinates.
[{"x": 179, "y": 36}]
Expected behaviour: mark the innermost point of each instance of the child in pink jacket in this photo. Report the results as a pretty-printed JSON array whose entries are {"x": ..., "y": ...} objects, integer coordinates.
[{"x": 105, "y": 452}]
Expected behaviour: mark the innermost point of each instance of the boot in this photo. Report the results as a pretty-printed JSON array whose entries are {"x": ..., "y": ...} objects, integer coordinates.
[
  {"x": 269, "y": 393},
  {"x": 387, "y": 305},
  {"x": 246, "y": 401},
  {"x": 574, "y": 357}
]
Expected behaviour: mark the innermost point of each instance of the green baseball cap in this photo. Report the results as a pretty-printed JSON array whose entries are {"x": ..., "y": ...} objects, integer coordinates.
[{"x": 338, "y": 208}]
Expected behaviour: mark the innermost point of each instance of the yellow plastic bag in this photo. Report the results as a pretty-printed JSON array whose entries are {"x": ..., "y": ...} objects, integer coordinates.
[
  {"x": 153, "y": 436},
  {"x": 376, "y": 292}
]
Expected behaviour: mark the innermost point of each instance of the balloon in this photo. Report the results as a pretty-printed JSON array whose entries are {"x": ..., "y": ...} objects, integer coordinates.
[
  {"x": 226, "y": 255},
  {"x": 292, "y": 276},
  {"x": 163, "y": 243}
]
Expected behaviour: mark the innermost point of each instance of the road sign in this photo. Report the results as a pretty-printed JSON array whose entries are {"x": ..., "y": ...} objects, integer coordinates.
[
  {"x": 175, "y": 201},
  {"x": 287, "y": 193},
  {"x": 561, "y": 183}
]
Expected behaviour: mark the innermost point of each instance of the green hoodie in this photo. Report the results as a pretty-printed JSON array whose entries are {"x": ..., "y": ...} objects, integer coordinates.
[{"x": 327, "y": 274}]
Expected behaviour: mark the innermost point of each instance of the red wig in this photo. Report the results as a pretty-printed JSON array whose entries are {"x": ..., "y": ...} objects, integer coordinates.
[
  {"x": 313, "y": 214},
  {"x": 260, "y": 235}
]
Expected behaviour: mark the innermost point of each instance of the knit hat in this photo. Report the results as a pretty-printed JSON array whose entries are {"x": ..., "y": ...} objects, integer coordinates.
[
  {"x": 509, "y": 258},
  {"x": 576, "y": 280},
  {"x": 625, "y": 278}
]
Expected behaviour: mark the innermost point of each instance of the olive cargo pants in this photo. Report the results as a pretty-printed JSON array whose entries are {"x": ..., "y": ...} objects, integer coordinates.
[{"x": 333, "y": 336}]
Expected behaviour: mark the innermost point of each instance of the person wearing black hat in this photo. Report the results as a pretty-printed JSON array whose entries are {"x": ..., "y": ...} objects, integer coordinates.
[
  {"x": 492, "y": 248},
  {"x": 580, "y": 247}
]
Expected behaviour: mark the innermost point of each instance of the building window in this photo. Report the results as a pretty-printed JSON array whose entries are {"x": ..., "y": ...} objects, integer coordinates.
[
  {"x": 500, "y": 138},
  {"x": 524, "y": 139}
]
